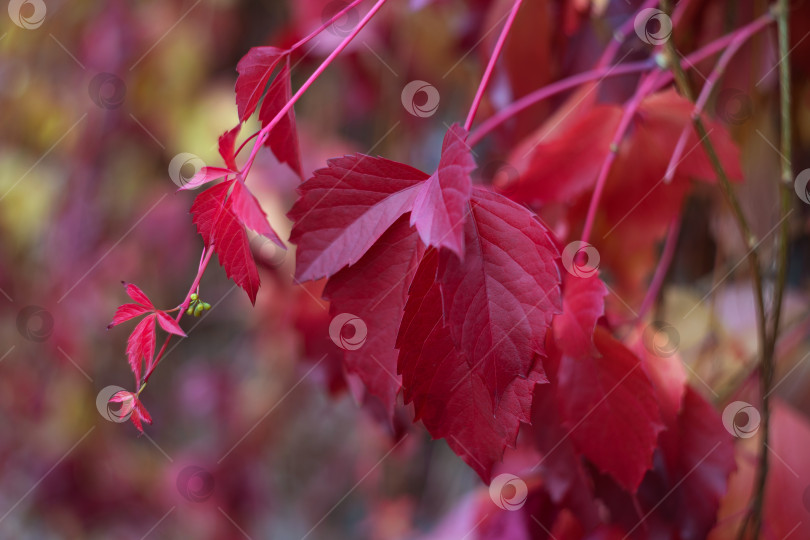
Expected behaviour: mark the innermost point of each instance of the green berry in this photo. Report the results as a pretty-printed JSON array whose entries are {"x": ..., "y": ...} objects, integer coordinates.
[
  {"x": 190, "y": 310},
  {"x": 193, "y": 297},
  {"x": 198, "y": 309},
  {"x": 206, "y": 306}
]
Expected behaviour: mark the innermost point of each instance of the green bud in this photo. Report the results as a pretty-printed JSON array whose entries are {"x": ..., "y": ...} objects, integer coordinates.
[
  {"x": 190, "y": 310},
  {"x": 198, "y": 309},
  {"x": 194, "y": 297},
  {"x": 206, "y": 306}
]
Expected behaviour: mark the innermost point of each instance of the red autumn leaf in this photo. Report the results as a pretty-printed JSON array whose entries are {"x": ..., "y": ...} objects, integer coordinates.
[
  {"x": 583, "y": 305},
  {"x": 169, "y": 324},
  {"x": 498, "y": 302},
  {"x": 250, "y": 213},
  {"x": 472, "y": 336},
  {"x": 141, "y": 346},
  {"x": 440, "y": 206},
  {"x": 206, "y": 209},
  {"x": 565, "y": 164},
  {"x": 563, "y": 472},
  {"x": 205, "y": 175},
  {"x": 636, "y": 205},
  {"x": 254, "y": 70},
  {"x": 221, "y": 228},
  {"x": 126, "y": 312},
  {"x": 283, "y": 138},
  {"x": 138, "y": 295},
  {"x": 609, "y": 405},
  {"x": 227, "y": 147},
  {"x": 698, "y": 460},
  {"x": 344, "y": 208},
  {"x": 449, "y": 394},
  {"x": 390, "y": 265}
]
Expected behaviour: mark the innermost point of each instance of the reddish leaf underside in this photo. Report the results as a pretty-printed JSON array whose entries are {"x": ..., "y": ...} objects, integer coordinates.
[
  {"x": 498, "y": 303},
  {"x": 254, "y": 70},
  {"x": 220, "y": 227},
  {"x": 583, "y": 305},
  {"x": 440, "y": 207},
  {"x": 283, "y": 137},
  {"x": 609, "y": 405},
  {"x": 449, "y": 396},
  {"x": 472, "y": 336},
  {"x": 375, "y": 289}
]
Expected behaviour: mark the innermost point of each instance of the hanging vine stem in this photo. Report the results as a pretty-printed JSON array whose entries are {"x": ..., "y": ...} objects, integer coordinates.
[
  {"x": 496, "y": 52},
  {"x": 767, "y": 369},
  {"x": 767, "y": 339}
]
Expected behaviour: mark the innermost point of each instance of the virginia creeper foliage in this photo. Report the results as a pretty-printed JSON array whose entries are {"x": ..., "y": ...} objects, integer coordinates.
[{"x": 478, "y": 326}]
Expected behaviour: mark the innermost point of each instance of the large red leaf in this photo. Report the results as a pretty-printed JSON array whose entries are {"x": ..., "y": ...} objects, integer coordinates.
[
  {"x": 498, "y": 302},
  {"x": 449, "y": 393},
  {"x": 254, "y": 70},
  {"x": 609, "y": 405},
  {"x": 283, "y": 138},
  {"x": 441, "y": 204},
  {"x": 389, "y": 265},
  {"x": 344, "y": 208}
]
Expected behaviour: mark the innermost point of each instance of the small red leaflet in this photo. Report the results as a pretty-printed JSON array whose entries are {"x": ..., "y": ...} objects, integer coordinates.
[{"x": 141, "y": 343}]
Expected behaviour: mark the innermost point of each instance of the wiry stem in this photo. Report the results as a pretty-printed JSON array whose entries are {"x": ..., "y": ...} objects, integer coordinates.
[
  {"x": 265, "y": 131},
  {"x": 599, "y": 73},
  {"x": 705, "y": 92},
  {"x": 327, "y": 24},
  {"x": 628, "y": 112},
  {"x": 663, "y": 266},
  {"x": 496, "y": 52},
  {"x": 768, "y": 365},
  {"x": 206, "y": 258}
]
